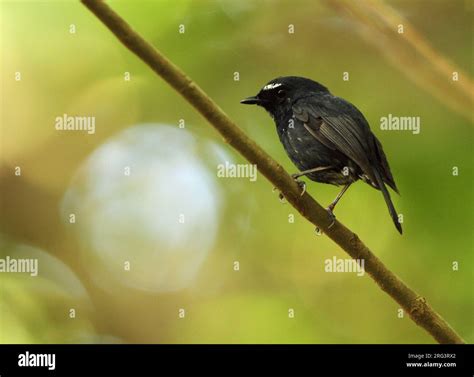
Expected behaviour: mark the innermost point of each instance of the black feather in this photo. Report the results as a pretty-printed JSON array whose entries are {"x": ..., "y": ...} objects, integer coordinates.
[{"x": 320, "y": 130}]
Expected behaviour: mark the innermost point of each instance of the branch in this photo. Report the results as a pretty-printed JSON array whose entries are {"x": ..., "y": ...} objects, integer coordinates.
[
  {"x": 377, "y": 22},
  {"x": 410, "y": 301}
]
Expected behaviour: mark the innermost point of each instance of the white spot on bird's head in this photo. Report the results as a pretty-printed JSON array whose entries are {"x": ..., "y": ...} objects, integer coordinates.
[{"x": 272, "y": 86}]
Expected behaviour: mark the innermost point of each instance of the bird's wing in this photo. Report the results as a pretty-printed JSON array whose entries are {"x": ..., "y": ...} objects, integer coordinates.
[{"x": 339, "y": 126}]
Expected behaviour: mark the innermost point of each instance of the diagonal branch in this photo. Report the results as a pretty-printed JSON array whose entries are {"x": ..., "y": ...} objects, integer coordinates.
[{"x": 410, "y": 301}]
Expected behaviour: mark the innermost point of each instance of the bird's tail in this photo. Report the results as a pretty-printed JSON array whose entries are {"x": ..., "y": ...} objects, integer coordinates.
[{"x": 388, "y": 200}]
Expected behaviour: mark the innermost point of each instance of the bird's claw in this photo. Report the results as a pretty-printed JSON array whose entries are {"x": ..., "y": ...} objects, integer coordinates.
[
  {"x": 331, "y": 216},
  {"x": 280, "y": 195},
  {"x": 302, "y": 184},
  {"x": 318, "y": 230}
]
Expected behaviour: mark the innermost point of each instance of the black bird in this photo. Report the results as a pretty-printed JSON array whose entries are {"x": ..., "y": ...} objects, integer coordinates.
[{"x": 326, "y": 137}]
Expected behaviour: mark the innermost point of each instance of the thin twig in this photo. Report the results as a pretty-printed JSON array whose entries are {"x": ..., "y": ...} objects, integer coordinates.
[
  {"x": 408, "y": 51},
  {"x": 410, "y": 301}
]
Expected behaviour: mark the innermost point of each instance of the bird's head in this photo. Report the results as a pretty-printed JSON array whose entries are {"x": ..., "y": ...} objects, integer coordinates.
[{"x": 279, "y": 94}]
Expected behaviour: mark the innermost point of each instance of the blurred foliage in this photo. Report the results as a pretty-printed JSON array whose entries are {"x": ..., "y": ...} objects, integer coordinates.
[{"x": 281, "y": 263}]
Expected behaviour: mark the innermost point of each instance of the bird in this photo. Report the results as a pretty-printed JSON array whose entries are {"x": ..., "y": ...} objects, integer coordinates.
[{"x": 326, "y": 137}]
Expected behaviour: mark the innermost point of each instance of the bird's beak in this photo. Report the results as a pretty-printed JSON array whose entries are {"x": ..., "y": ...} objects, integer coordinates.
[{"x": 251, "y": 101}]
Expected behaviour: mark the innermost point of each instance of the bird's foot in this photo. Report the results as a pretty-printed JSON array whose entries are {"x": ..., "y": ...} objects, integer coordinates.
[
  {"x": 280, "y": 195},
  {"x": 302, "y": 184},
  {"x": 332, "y": 216}
]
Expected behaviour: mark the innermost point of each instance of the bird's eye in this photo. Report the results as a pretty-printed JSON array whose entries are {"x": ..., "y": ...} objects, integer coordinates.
[{"x": 281, "y": 93}]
